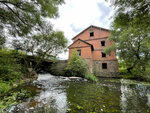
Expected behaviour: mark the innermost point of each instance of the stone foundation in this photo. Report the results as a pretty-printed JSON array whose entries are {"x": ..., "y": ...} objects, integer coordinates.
[{"x": 111, "y": 71}]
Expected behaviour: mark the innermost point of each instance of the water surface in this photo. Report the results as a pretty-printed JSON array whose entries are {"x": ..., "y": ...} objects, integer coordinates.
[{"x": 64, "y": 95}]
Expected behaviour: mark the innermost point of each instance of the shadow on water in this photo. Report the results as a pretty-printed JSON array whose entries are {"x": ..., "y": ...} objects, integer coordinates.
[{"x": 63, "y": 95}]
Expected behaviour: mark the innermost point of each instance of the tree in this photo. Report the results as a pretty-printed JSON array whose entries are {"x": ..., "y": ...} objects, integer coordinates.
[
  {"x": 45, "y": 44},
  {"x": 131, "y": 33},
  {"x": 21, "y": 17},
  {"x": 77, "y": 66}
]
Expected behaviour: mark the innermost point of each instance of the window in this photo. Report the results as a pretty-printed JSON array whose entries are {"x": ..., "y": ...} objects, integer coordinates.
[
  {"x": 91, "y": 33},
  {"x": 79, "y": 52},
  {"x": 104, "y": 65},
  {"x": 103, "y": 54},
  {"x": 102, "y": 43}
]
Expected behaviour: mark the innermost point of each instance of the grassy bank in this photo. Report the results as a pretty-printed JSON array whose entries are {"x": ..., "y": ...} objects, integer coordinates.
[
  {"x": 135, "y": 74},
  {"x": 10, "y": 70},
  {"x": 15, "y": 95},
  {"x": 11, "y": 76}
]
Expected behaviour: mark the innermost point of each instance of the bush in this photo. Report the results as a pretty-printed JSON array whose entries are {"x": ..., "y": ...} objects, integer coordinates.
[
  {"x": 137, "y": 74},
  {"x": 4, "y": 87},
  {"x": 77, "y": 66},
  {"x": 10, "y": 68},
  {"x": 91, "y": 77}
]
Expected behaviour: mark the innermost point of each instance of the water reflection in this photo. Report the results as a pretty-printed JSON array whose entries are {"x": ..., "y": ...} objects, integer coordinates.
[
  {"x": 88, "y": 97},
  {"x": 134, "y": 97},
  {"x": 61, "y": 95}
]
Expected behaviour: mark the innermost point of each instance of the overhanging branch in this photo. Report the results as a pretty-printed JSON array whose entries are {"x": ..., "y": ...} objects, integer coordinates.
[{"x": 3, "y": 2}]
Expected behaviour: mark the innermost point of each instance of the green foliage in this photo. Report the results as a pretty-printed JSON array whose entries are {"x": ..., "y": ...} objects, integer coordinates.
[
  {"x": 135, "y": 74},
  {"x": 11, "y": 71},
  {"x": 46, "y": 44},
  {"x": 77, "y": 66},
  {"x": 10, "y": 68},
  {"x": 4, "y": 87},
  {"x": 91, "y": 77},
  {"x": 21, "y": 17},
  {"x": 13, "y": 97},
  {"x": 26, "y": 22},
  {"x": 130, "y": 32},
  {"x": 108, "y": 49}
]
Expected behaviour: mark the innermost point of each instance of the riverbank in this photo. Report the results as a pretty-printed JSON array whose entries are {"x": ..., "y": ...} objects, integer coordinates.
[
  {"x": 13, "y": 75},
  {"x": 16, "y": 93},
  {"x": 135, "y": 75}
]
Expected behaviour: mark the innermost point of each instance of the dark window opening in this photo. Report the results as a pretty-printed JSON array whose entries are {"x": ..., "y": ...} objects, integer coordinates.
[
  {"x": 79, "y": 52},
  {"x": 104, "y": 65},
  {"x": 91, "y": 34},
  {"x": 102, "y": 43},
  {"x": 103, "y": 54}
]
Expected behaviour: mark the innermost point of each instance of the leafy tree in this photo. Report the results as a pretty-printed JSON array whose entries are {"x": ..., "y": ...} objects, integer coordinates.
[
  {"x": 21, "y": 17},
  {"x": 77, "y": 66},
  {"x": 131, "y": 33},
  {"x": 45, "y": 44}
]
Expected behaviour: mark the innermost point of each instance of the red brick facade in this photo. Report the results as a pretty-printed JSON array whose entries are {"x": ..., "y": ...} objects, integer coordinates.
[{"x": 89, "y": 41}]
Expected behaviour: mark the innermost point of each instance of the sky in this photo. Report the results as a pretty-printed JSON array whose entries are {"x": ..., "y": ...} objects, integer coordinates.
[{"x": 77, "y": 15}]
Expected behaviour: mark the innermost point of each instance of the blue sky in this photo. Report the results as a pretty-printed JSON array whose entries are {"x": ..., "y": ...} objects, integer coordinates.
[{"x": 77, "y": 15}]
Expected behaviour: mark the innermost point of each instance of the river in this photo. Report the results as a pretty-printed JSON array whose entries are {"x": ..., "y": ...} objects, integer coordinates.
[{"x": 56, "y": 94}]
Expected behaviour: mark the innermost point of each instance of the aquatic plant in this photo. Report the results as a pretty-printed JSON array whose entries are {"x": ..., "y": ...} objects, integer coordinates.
[{"x": 91, "y": 77}]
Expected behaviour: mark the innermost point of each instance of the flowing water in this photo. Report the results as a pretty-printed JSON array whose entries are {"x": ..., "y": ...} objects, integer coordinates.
[{"x": 65, "y": 95}]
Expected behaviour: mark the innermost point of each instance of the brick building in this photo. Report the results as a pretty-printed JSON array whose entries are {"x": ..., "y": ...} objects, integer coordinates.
[{"x": 90, "y": 44}]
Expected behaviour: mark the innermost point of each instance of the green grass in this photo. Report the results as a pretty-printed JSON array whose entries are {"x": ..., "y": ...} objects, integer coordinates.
[{"x": 91, "y": 77}]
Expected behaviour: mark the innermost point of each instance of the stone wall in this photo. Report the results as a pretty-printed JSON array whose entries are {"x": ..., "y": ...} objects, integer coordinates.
[
  {"x": 111, "y": 71},
  {"x": 58, "y": 68}
]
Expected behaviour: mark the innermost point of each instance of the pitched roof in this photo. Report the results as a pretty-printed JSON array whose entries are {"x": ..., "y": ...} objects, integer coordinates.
[
  {"x": 83, "y": 42},
  {"x": 88, "y": 28}
]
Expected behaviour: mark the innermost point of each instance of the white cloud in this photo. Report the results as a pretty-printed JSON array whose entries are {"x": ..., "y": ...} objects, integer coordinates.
[{"x": 76, "y": 15}]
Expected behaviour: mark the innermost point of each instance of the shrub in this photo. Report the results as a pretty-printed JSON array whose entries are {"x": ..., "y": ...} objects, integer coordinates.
[
  {"x": 10, "y": 68},
  {"x": 4, "y": 87},
  {"x": 77, "y": 66},
  {"x": 91, "y": 77}
]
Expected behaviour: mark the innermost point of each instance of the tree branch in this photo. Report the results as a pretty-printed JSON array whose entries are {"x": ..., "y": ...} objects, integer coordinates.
[{"x": 5, "y": 3}]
